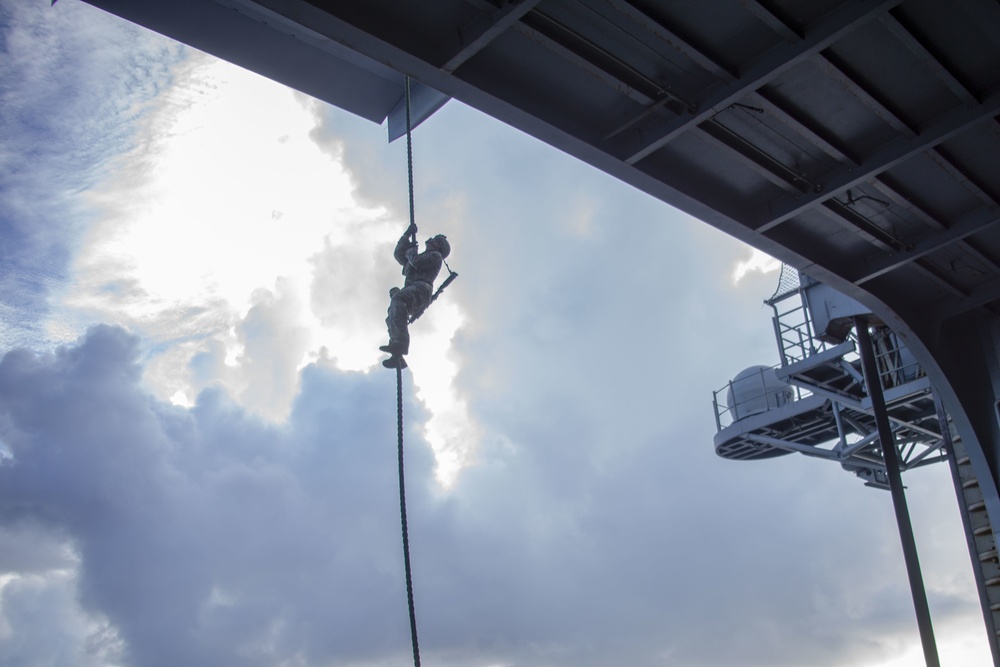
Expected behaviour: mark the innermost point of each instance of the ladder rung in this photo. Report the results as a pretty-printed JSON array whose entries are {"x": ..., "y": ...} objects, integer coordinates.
[
  {"x": 978, "y": 507},
  {"x": 982, "y": 530},
  {"x": 970, "y": 483},
  {"x": 963, "y": 461},
  {"x": 995, "y": 606},
  {"x": 988, "y": 555},
  {"x": 995, "y": 581}
]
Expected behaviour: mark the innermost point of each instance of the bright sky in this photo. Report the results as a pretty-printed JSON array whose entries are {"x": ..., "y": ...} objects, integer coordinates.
[{"x": 198, "y": 440}]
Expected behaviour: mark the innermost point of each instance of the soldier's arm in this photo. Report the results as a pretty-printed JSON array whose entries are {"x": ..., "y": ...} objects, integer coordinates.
[{"x": 404, "y": 249}]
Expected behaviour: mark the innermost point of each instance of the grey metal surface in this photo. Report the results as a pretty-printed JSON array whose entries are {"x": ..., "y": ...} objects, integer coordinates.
[
  {"x": 873, "y": 385},
  {"x": 855, "y": 140}
]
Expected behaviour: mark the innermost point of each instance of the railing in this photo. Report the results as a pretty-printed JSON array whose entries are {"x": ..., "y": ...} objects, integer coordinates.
[
  {"x": 896, "y": 364},
  {"x": 751, "y": 394},
  {"x": 793, "y": 329},
  {"x": 796, "y": 340}
]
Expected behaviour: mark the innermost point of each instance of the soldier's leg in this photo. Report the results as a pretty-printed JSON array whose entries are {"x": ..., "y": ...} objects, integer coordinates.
[{"x": 401, "y": 305}]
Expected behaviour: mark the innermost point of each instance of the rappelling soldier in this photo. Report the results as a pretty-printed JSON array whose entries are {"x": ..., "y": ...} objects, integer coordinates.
[{"x": 406, "y": 304}]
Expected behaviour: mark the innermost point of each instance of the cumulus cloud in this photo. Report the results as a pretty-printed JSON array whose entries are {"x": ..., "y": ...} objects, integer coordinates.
[
  {"x": 66, "y": 70},
  {"x": 209, "y": 536},
  {"x": 205, "y": 535}
]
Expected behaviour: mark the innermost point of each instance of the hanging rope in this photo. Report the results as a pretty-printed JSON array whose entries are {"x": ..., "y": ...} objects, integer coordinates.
[
  {"x": 399, "y": 425},
  {"x": 409, "y": 173},
  {"x": 409, "y": 153},
  {"x": 402, "y": 518}
]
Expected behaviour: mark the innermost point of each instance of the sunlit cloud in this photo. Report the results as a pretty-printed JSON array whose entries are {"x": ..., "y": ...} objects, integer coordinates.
[
  {"x": 758, "y": 261},
  {"x": 228, "y": 209}
]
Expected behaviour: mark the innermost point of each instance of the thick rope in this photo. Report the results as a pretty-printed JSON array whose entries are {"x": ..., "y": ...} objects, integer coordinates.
[
  {"x": 409, "y": 172},
  {"x": 409, "y": 149},
  {"x": 402, "y": 517},
  {"x": 399, "y": 427}
]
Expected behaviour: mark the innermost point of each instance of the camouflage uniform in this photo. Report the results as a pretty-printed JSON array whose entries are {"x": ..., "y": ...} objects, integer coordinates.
[{"x": 420, "y": 270}]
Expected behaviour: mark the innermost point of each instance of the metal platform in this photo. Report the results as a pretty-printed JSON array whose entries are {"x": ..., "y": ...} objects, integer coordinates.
[
  {"x": 823, "y": 401},
  {"x": 824, "y": 410}
]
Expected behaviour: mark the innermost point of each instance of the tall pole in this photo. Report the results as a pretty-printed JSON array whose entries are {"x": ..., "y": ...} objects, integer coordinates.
[{"x": 873, "y": 383}]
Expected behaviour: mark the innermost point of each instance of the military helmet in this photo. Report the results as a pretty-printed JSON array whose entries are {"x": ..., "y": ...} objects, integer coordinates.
[{"x": 440, "y": 243}]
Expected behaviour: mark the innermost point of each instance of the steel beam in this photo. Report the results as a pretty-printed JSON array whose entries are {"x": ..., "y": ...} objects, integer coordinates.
[
  {"x": 950, "y": 167},
  {"x": 672, "y": 39},
  {"x": 759, "y": 161},
  {"x": 790, "y": 446},
  {"x": 906, "y": 37},
  {"x": 973, "y": 223},
  {"x": 892, "y": 192},
  {"x": 801, "y": 126},
  {"x": 871, "y": 232},
  {"x": 477, "y": 35},
  {"x": 601, "y": 74},
  {"x": 772, "y": 21},
  {"x": 838, "y": 72},
  {"x": 768, "y": 67},
  {"x": 923, "y": 268},
  {"x": 895, "y": 152},
  {"x": 873, "y": 385},
  {"x": 980, "y": 296}
]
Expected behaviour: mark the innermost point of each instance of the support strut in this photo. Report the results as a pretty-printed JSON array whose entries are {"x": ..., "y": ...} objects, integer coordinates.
[{"x": 873, "y": 385}]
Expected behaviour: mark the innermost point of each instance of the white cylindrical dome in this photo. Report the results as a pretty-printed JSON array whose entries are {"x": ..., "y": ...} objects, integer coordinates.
[{"x": 756, "y": 390}]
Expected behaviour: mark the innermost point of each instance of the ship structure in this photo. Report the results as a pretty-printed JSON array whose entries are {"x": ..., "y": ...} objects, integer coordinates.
[{"x": 846, "y": 386}]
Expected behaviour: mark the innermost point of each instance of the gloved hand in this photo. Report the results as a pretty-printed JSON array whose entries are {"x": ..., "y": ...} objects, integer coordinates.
[{"x": 411, "y": 230}]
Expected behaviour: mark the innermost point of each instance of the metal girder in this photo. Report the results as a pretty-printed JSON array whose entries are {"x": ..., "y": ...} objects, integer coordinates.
[
  {"x": 789, "y": 446},
  {"x": 801, "y": 126},
  {"x": 936, "y": 132},
  {"x": 921, "y": 267},
  {"x": 833, "y": 396},
  {"x": 980, "y": 256},
  {"x": 781, "y": 58},
  {"x": 477, "y": 35},
  {"x": 661, "y": 32},
  {"x": 906, "y": 37},
  {"x": 711, "y": 129},
  {"x": 891, "y": 191},
  {"x": 865, "y": 441},
  {"x": 599, "y": 73},
  {"x": 978, "y": 297},
  {"x": 756, "y": 159},
  {"x": 539, "y": 18},
  {"x": 843, "y": 214},
  {"x": 771, "y": 20},
  {"x": 838, "y": 72},
  {"x": 916, "y": 461},
  {"x": 950, "y": 166},
  {"x": 956, "y": 234},
  {"x": 981, "y": 220},
  {"x": 986, "y": 14},
  {"x": 336, "y": 30}
]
